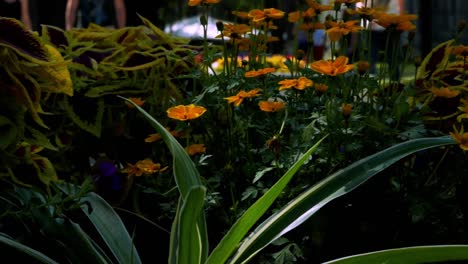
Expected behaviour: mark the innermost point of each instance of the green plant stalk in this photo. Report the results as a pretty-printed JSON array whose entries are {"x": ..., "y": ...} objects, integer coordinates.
[
  {"x": 187, "y": 177},
  {"x": 406, "y": 58},
  {"x": 226, "y": 57},
  {"x": 237, "y": 232},
  {"x": 310, "y": 46},
  {"x": 189, "y": 248},
  {"x": 340, "y": 183}
]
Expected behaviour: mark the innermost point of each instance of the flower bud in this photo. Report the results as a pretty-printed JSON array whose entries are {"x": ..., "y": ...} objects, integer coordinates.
[
  {"x": 203, "y": 20},
  {"x": 321, "y": 88},
  {"x": 411, "y": 35},
  {"x": 362, "y": 67},
  {"x": 417, "y": 61},
  {"x": 461, "y": 25},
  {"x": 299, "y": 54},
  {"x": 220, "y": 26},
  {"x": 346, "y": 110}
]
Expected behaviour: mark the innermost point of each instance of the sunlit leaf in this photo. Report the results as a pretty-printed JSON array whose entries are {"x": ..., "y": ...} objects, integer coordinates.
[
  {"x": 59, "y": 76},
  {"x": 409, "y": 255}
]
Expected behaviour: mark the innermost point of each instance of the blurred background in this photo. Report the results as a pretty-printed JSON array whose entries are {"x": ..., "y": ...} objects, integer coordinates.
[{"x": 438, "y": 19}]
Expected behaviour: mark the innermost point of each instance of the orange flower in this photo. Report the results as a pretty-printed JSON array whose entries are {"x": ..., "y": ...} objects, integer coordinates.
[
  {"x": 271, "y": 106},
  {"x": 339, "y": 29},
  {"x": 460, "y": 51},
  {"x": 287, "y": 84},
  {"x": 196, "y": 149},
  {"x": 460, "y": 137},
  {"x": 332, "y": 68},
  {"x": 131, "y": 170},
  {"x": 145, "y": 166},
  {"x": 299, "y": 84},
  {"x": 260, "y": 72},
  {"x": 156, "y": 136},
  {"x": 311, "y": 26},
  {"x": 202, "y": 2},
  {"x": 307, "y": 15},
  {"x": 136, "y": 100},
  {"x": 398, "y": 22},
  {"x": 445, "y": 92},
  {"x": 303, "y": 82},
  {"x": 235, "y": 30},
  {"x": 346, "y": 109},
  {"x": 321, "y": 87},
  {"x": 185, "y": 112},
  {"x": 362, "y": 67},
  {"x": 258, "y": 15},
  {"x": 318, "y": 7},
  {"x": 273, "y": 13},
  {"x": 364, "y": 12},
  {"x": 240, "y": 96},
  {"x": 153, "y": 138},
  {"x": 294, "y": 17},
  {"x": 241, "y": 14},
  {"x": 347, "y": 2},
  {"x": 464, "y": 109}
]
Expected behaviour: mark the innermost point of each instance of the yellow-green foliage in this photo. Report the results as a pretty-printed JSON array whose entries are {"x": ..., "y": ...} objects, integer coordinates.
[{"x": 62, "y": 72}]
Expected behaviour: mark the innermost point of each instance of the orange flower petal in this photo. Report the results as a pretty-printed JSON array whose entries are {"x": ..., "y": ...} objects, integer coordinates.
[{"x": 185, "y": 112}]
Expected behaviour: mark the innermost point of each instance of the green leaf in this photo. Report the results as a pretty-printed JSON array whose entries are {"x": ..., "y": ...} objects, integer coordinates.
[
  {"x": 26, "y": 250},
  {"x": 122, "y": 87},
  {"x": 340, "y": 183},
  {"x": 8, "y": 132},
  {"x": 185, "y": 174},
  {"x": 190, "y": 243},
  {"x": 17, "y": 37},
  {"x": 174, "y": 239},
  {"x": 260, "y": 174},
  {"x": 111, "y": 228},
  {"x": 36, "y": 137},
  {"x": 409, "y": 255},
  {"x": 76, "y": 244},
  {"x": 237, "y": 232},
  {"x": 436, "y": 59},
  {"x": 90, "y": 120},
  {"x": 44, "y": 169}
]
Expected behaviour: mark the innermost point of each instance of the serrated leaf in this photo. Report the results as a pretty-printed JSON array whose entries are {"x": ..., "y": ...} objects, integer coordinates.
[
  {"x": 36, "y": 137},
  {"x": 90, "y": 121},
  {"x": 15, "y": 36},
  {"x": 44, "y": 169},
  {"x": 59, "y": 76},
  {"x": 436, "y": 59}
]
